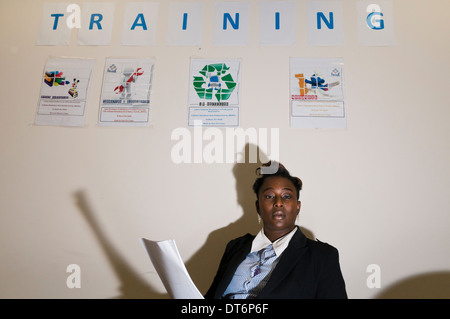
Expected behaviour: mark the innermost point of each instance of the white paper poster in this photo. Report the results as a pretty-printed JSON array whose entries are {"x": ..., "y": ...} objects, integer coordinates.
[
  {"x": 325, "y": 22},
  {"x": 64, "y": 92},
  {"x": 214, "y": 92},
  {"x": 277, "y": 23},
  {"x": 375, "y": 23},
  {"x": 316, "y": 93},
  {"x": 125, "y": 99},
  {"x": 231, "y": 23},
  {"x": 185, "y": 23},
  {"x": 53, "y": 29},
  {"x": 96, "y": 23},
  {"x": 139, "y": 26}
]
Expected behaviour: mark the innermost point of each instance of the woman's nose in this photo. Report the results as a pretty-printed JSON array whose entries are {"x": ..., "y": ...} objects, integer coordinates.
[{"x": 278, "y": 202}]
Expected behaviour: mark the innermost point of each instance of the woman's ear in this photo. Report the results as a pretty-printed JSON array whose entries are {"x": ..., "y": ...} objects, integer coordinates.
[{"x": 257, "y": 207}]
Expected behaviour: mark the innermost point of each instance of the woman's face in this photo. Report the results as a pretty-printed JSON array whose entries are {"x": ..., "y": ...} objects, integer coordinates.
[{"x": 278, "y": 205}]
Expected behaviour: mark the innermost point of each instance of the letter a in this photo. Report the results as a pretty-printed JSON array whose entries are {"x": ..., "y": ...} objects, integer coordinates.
[
  {"x": 181, "y": 152},
  {"x": 74, "y": 20},
  {"x": 136, "y": 23},
  {"x": 374, "y": 280},
  {"x": 74, "y": 279}
]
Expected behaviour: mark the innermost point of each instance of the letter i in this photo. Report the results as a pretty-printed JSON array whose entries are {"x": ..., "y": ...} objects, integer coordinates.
[
  {"x": 185, "y": 15},
  {"x": 277, "y": 21}
]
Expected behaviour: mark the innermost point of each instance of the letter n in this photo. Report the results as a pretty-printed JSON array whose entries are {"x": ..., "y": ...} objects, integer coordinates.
[
  {"x": 321, "y": 17},
  {"x": 234, "y": 23}
]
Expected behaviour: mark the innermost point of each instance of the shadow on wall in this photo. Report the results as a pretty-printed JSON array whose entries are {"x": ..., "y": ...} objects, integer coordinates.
[
  {"x": 132, "y": 286},
  {"x": 433, "y": 285},
  {"x": 202, "y": 265}
]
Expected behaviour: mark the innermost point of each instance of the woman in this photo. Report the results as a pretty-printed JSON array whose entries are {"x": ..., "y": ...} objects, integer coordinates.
[{"x": 279, "y": 262}]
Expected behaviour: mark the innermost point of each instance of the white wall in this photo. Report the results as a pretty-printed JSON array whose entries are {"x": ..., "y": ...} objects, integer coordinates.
[{"x": 378, "y": 190}]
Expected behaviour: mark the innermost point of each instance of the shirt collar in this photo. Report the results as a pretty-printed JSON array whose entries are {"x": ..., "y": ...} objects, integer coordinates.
[{"x": 279, "y": 245}]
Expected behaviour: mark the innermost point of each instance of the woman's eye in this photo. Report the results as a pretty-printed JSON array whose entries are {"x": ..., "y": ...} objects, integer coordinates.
[
  {"x": 269, "y": 196},
  {"x": 287, "y": 196}
]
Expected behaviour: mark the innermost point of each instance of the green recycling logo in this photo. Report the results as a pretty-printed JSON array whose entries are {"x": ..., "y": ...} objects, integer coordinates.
[{"x": 214, "y": 81}]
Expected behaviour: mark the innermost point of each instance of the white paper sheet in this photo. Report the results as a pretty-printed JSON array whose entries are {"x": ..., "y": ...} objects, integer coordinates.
[
  {"x": 97, "y": 20},
  {"x": 185, "y": 23},
  {"x": 277, "y": 23},
  {"x": 231, "y": 23},
  {"x": 375, "y": 23},
  {"x": 170, "y": 267},
  {"x": 139, "y": 27},
  {"x": 325, "y": 22},
  {"x": 53, "y": 29}
]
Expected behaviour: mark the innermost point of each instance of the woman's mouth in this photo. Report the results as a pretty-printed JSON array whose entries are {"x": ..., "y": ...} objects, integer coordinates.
[{"x": 278, "y": 215}]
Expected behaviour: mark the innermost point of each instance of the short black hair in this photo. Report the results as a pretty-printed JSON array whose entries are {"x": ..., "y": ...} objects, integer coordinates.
[{"x": 283, "y": 172}]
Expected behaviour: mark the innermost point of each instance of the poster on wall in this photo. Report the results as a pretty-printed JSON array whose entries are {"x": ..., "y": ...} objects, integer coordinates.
[
  {"x": 125, "y": 98},
  {"x": 64, "y": 92},
  {"x": 214, "y": 92},
  {"x": 316, "y": 93}
]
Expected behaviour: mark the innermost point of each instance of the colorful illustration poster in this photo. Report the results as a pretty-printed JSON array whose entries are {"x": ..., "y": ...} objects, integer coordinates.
[
  {"x": 125, "y": 99},
  {"x": 316, "y": 93},
  {"x": 214, "y": 92},
  {"x": 64, "y": 91}
]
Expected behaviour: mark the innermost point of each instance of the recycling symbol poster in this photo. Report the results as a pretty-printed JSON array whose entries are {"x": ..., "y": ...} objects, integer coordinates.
[{"x": 214, "y": 92}]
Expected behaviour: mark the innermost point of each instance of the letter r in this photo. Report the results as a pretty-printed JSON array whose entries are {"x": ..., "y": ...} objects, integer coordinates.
[{"x": 96, "y": 18}]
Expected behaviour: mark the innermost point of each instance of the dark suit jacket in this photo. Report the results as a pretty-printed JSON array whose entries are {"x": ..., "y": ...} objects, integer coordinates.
[{"x": 307, "y": 269}]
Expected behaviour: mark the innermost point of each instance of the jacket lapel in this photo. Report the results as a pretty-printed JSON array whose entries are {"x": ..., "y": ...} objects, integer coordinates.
[{"x": 288, "y": 260}]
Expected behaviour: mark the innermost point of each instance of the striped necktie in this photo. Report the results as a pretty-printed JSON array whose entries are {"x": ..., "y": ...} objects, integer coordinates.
[{"x": 254, "y": 272}]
